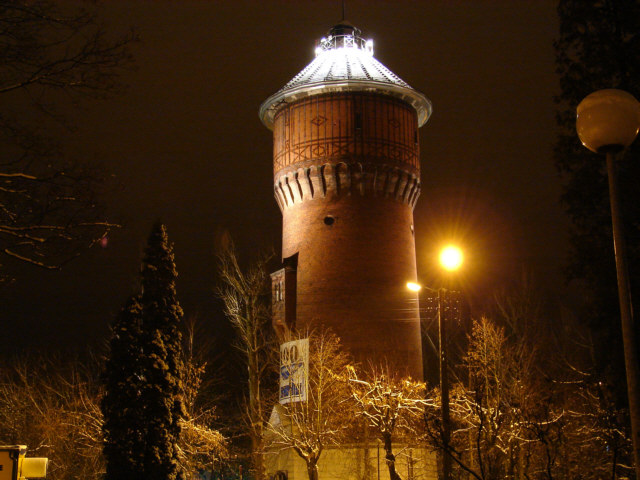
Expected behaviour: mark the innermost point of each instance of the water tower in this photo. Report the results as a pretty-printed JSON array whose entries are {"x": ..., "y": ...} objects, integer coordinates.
[{"x": 346, "y": 164}]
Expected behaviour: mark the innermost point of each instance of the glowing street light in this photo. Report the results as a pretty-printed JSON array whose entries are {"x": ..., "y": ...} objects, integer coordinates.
[
  {"x": 414, "y": 287},
  {"x": 451, "y": 258},
  {"x": 608, "y": 122}
]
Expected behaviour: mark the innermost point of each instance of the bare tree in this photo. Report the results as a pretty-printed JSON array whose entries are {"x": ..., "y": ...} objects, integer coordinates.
[
  {"x": 245, "y": 297},
  {"x": 51, "y": 56},
  {"x": 308, "y": 427},
  {"x": 391, "y": 407},
  {"x": 53, "y": 408},
  {"x": 505, "y": 423},
  {"x": 514, "y": 419},
  {"x": 596, "y": 435},
  {"x": 519, "y": 308},
  {"x": 571, "y": 422},
  {"x": 201, "y": 445}
]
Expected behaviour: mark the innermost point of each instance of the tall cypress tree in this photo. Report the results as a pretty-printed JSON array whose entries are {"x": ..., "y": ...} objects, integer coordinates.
[
  {"x": 143, "y": 404},
  {"x": 162, "y": 359},
  {"x": 123, "y": 429},
  {"x": 598, "y": 47}
]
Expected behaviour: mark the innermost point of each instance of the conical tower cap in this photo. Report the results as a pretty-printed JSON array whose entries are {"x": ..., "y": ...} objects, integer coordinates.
[{"x": 345, "y": 62}]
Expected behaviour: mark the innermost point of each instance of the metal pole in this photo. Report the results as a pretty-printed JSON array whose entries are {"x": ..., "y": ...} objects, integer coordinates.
[
  {"x": 378, "y": 460},
  {"x": 444, "y": 384},
  {"x": 626, "y": 311}
]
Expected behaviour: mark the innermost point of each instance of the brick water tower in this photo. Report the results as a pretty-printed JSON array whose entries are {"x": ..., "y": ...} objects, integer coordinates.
[{"x": 346, "y": 166}]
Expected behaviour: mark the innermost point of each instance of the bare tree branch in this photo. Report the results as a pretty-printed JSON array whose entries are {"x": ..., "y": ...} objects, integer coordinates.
[
  {"x": 392, "y": 408},
  {"x": 51, "y": 56},
  {"x": 322, "y": 420},
  {"x": 245, "y": 297}
]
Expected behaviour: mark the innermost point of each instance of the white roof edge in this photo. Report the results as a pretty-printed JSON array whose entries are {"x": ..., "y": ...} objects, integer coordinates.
[{"x": 417, "y": 100}]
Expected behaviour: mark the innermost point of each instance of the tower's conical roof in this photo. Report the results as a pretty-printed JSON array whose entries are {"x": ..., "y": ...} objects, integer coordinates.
[{"x": 344, "y": 62}]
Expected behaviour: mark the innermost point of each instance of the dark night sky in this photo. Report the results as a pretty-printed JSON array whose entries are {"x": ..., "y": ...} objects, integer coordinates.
[{"x": 185, "y": 145}]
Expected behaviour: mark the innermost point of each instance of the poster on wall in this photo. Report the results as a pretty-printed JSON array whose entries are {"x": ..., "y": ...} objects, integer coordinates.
[{"x": 294, "y": 371}]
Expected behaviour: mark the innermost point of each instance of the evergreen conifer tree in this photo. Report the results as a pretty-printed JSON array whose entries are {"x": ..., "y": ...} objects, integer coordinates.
[
  {"x": 162, "y": 359},
  {"x": 121, "y": 408},
  {"x": 143, "y": 405},
  {"x": 598, "y": 47}
]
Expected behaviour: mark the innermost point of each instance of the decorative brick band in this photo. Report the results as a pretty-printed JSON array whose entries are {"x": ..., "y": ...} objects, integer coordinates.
[
  {"x": 297, "y": 186},
  {"x": 351, "y": 126}
]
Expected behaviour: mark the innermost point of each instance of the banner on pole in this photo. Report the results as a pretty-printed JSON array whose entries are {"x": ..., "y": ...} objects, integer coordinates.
[{"x": 294, "y": 371}]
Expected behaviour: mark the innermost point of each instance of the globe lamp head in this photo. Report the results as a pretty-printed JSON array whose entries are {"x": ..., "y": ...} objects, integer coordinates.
[{"x": 608, "y": 120}]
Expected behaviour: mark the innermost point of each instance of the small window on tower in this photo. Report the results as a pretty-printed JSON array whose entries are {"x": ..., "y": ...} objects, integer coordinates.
[{"x": 358, "y": 121}]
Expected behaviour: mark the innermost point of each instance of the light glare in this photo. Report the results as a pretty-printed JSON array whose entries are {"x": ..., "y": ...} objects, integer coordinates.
[
  {"x": 414, "y": 287},
  {"x": 451, "y": 258}
]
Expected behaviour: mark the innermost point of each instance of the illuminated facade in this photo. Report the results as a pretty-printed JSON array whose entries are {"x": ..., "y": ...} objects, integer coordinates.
[{"x": 346, "y": 178}]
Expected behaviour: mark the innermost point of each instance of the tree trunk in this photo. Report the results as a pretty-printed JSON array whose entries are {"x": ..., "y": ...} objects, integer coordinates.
[
  {"x": 257, "y": 460},
  {"x": 511, "y": 469},
  {"x": 255, "y": 412},
  {"x": 521, "y": 469},
  {"x": 390, "y": 458},
  {"x": 312, "y": 469},
  {"x": 366, "y": 456}
]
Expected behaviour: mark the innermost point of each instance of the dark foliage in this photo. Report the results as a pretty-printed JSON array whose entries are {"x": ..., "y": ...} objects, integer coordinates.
[
  {"x": 162, "y": 359},
  {"x": 598, "y": 47},
  {"x": 124, "y": 432},
  {"x": 144, "y": 404}
]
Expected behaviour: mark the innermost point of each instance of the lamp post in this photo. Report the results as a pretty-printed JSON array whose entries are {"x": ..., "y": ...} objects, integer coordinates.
[
  {"x": 450, "y": 260},
  {"x": 608, "y": 122},
  {"x": 444, "y": 385}
]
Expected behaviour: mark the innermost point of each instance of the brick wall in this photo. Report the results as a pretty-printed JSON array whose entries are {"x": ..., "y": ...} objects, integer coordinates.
[{"x": 346, "y": 179}]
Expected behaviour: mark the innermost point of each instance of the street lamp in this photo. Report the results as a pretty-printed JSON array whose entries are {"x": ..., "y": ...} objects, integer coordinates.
[
  {"x": 608, "y": 122},
  {"x": 450, "y": 259}
]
